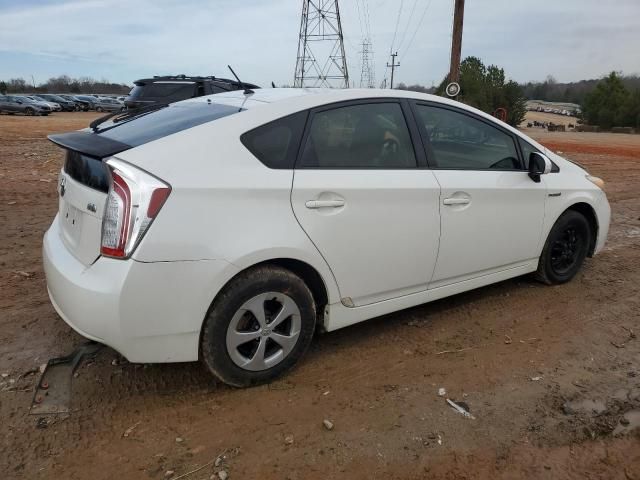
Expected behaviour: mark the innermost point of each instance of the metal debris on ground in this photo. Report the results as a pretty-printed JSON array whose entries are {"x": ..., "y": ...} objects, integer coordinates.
[
  {"x": 442, "y": 392},
  {"x": 53, "y": 392},
  {"x": 328, "y": 424},
  {"x": 535, "y": 379},
  {"x": 461, "y": 408}
]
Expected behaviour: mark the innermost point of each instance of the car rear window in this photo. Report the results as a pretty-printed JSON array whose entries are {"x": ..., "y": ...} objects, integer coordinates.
[
  {"x": 86, "y": 170},
  {"x": 161, "y": 90},
  {"x": 137, "y": 129}
]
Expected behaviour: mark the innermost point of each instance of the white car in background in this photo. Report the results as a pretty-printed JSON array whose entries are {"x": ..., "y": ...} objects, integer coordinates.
[{"x": 229, "y": 228}]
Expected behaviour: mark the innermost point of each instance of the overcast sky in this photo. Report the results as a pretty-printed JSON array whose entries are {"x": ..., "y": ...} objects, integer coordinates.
[{"x": 122, "y": 40}]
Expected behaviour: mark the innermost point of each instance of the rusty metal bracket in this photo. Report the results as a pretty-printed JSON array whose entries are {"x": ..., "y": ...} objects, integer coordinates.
[{"x": 53, "y": 393}]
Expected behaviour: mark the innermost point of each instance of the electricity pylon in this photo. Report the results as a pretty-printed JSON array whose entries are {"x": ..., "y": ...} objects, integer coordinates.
[
  {"x": 321, "y": 59},
  {"x": 367, "y": 75}
]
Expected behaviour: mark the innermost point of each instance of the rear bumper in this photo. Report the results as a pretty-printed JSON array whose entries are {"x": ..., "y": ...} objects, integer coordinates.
[{"x": 149, "y": 312}]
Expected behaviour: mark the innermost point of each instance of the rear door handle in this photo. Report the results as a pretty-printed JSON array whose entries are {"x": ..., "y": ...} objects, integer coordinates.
[
  {"x": 314, "y": 204},
  {"x": 456, "y": 201}
]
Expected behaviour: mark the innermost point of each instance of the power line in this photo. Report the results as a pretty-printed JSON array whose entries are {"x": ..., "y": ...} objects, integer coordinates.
[
  {"x": 393, "y": 42},
  {"x": 406, "y": 28},
  {"x": 424, "y": 14}
]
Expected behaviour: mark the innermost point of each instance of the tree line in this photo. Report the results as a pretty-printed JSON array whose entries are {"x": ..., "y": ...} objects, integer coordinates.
[
  {"x": 64, "y": 84},
  {"x": 484, "y": 87},
  {"x": 572, "y": 92}
]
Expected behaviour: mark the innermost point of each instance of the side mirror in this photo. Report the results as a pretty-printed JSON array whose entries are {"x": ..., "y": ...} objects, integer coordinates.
[{"x": 539, "y": 164}]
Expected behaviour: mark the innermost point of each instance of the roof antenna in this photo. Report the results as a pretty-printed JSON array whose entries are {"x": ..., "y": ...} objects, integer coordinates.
[
  {"x": 247, "y": 91},
  {"x": 273, "y": 85}
]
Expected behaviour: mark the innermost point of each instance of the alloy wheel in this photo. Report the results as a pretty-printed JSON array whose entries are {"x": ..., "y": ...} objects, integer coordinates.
[
  {"x": 263, "y": 331},
  {"x": 565, "y": 250}
]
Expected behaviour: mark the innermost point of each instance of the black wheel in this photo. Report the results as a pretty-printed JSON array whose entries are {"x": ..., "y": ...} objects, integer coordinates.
[
  {"x": 565, "y": 250},
  {"x": 99, "y": 109},
  {"x": 29, "y": 111},
  {"x": 258, "y": 327}
]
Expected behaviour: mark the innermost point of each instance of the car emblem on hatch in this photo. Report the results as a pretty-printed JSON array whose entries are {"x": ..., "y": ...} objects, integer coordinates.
[{"x": 63, "y": 182}]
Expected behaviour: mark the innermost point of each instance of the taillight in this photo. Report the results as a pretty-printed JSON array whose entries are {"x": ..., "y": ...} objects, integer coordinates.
[{"x": 134, "y": 200}]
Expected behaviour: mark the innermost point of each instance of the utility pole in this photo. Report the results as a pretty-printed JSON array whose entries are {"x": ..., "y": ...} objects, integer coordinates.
[
  {"x": 393, "y": 67},
  {"x": 456, "y": 41},
  {"x": 324, "y": 65}
]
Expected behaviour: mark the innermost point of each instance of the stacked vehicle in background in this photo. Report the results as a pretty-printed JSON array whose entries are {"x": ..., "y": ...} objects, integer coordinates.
[{"x": 174, "y": 88}]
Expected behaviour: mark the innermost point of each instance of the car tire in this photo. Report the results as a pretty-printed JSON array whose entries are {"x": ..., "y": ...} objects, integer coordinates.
[
  {"x": 278, "y": 296},
  {"x": 29, "y": 111},
  {"x": 98, "y": 109},
  {"x": 565, "y": 249}
]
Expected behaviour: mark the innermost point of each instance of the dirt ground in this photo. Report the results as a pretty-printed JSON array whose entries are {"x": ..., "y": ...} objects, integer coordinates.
[{"x": 551, "y": 374}]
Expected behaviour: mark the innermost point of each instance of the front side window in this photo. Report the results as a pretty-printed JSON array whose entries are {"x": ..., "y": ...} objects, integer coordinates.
[
  {"x": 459, "y": 141},
  {"x": 371, "y": 135}
]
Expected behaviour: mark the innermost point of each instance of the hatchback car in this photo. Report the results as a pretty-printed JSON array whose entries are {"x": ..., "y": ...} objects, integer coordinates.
[
  {"x": 105, "y": 104},
  {"x": 173, "y": 88},
  {"x": 55, "y": 107},
  {"x": 20, "y": 104},
  {"x": 79, "y": 104},
  {"x": 230, "y": 228},
  {"x": 65, "y": 105}
]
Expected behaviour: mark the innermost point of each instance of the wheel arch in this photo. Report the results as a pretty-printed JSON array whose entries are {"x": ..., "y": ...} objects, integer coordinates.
[
  {"x": 590, "y": 214},
  {"x": 309, "y": 275}
]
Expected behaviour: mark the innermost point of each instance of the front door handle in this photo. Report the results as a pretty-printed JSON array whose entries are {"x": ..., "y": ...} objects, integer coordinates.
[
  {"x": 456, "y": 201},
  {"x": 314, "y": 204}
]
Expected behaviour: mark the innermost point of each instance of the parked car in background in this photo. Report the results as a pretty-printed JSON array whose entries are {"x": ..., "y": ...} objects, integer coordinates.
[
  {"x": 398, "y": 198},
  {"x": 19, "y": 104},
  {"x": 55, "y": 107},
  {"x": 89, "y": 100},
  {"x": 106, "y": 104},
  {"x": 173, "y": 88},
  {"x": 66, "y": 105},
  {"x": 80, "y": 104}
]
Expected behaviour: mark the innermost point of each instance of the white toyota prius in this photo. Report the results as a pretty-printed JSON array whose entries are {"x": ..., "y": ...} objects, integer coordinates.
[{"x": 230, "y": 228}]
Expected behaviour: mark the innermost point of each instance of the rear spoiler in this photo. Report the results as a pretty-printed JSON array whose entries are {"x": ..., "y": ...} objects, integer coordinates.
[{"x": 89, "y": 143}]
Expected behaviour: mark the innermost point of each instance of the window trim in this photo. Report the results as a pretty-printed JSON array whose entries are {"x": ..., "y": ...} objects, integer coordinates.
[
  {"x": 427, "y": 142},
  {"x": 418, "y": 150}
]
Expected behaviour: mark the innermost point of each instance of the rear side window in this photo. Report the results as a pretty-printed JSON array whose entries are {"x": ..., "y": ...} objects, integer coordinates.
[
  {"x": 88, "y": 171},
  {"x": 359, "y": 136},
  {"x": 276, "y": 143}
]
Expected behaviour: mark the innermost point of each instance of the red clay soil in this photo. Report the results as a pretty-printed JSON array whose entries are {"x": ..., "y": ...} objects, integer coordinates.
[{"x": 551, "y": 374}]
